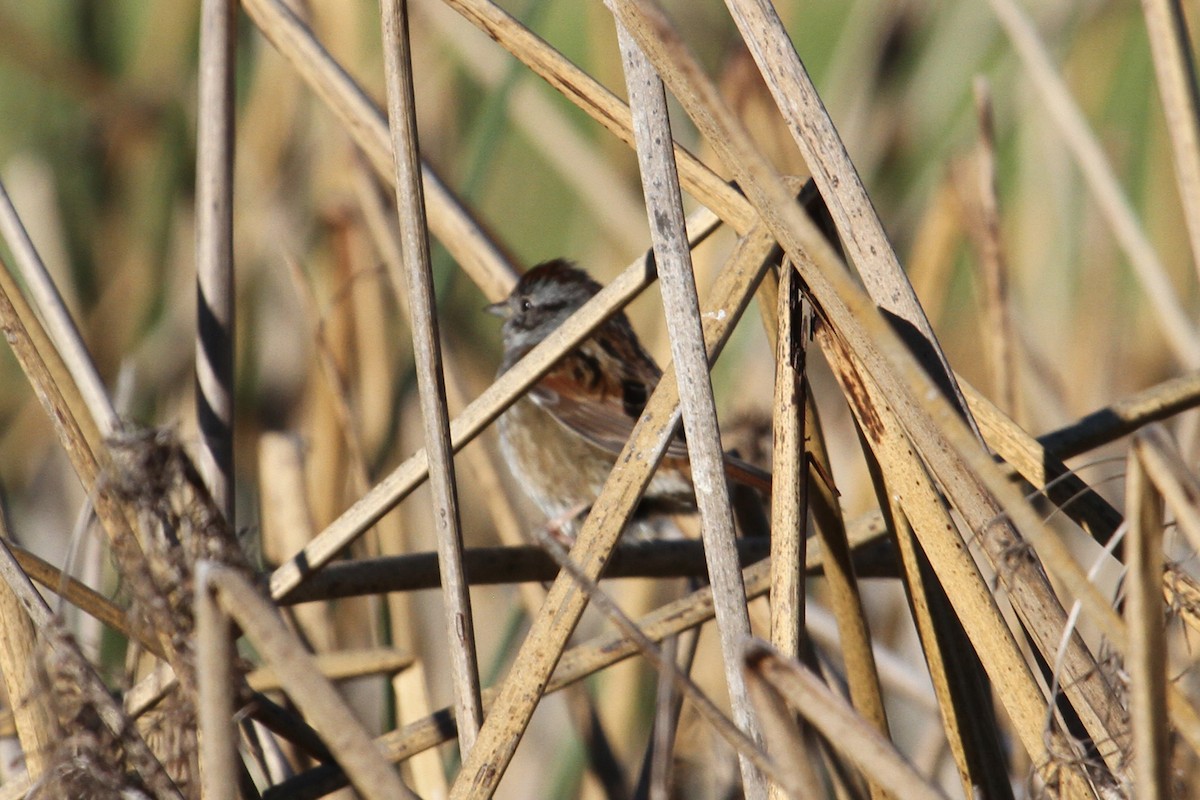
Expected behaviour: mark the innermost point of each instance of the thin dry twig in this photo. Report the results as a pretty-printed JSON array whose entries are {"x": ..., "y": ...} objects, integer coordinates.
[{"x": 746, "y": 747}]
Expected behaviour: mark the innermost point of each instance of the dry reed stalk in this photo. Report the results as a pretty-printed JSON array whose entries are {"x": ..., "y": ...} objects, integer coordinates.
[
  {"x": 900, "y": 677},
  {"x": 372, "y": 380},
  {"x": 312, "y": 693},
  {"x": 918, "y": 510},
  {"x": 36, "y": 354},
  {"x": 410, "y": 686},
  {"x": 1042, "y": 469},
  {"x": 789, "y": 499},
  {"x": 85, "y": 384},
  {"x": 340, "y": 665},
  {"x": 856, "y": 740},
  {"x": 128, "y": 482},
  {"x": 1175, "y": 75},
  {"x": 427, "y": 351},
  {"x": 215, "y": 698},
  {"x": 600, "y": 104},
  {"x": 90, "y": 700},
  {"x": 383, "y": 229},
  {"x": 332, "y": 436},
  {"x": 332, "y": 469},
  {"x": 36, "y": 728},
  {"x": 861, "y": 672},
  {"x": 789, "y": 469},
  {"x": 789, "y": 508},
  {"x": 51, "y": 381},
  {"x": 1177, "y": 325},
  {"x": 972, "y": 481},
  {"x": 1124, "y": 416},
  {"x": 784, "y": 740},
  {"x": 287, "y": 524},
  {"x": 858, "y": 656},
  {"x": 214, "y": 249},
  {"x": 1172, "y": 478},
  {"x": 332, "y": 346},
  {"x": 667, "y": 705},
  {"x": 1146, "y": 659},
  {"x": 972, "y": 485},
  {"x": 151, "y": 689},
  {"x": 855, "y": 643},
  {"x": 578, "y": 662},
  {"x": 932, "y": 257},
  {"x": 997, "y": 326},
  {"x": 859, "y": 227},
  {"x": 664, "y": 206},
  {"x": 79, "y": 595},
  {"x": 491, "y": 566},
  {"x": 746, "y": 746}
]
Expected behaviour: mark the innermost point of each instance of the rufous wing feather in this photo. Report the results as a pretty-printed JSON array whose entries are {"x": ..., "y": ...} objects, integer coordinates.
[{"x": 581, "y": 394}]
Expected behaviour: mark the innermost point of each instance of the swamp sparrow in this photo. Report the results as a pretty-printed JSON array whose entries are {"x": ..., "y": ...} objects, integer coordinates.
[{"x": 562, "y": 439}]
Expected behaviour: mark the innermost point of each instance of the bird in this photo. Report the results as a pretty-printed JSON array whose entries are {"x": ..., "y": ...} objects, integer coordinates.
[{"x": 561, "y": 440}]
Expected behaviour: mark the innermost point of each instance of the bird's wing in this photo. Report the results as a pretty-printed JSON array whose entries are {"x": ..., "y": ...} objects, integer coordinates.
[
  {"x": 583, "y": 393},
  {"x": 599, "y": 396}
]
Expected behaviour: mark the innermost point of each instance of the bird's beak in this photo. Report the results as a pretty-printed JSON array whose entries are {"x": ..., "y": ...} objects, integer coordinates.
[{"x": 499, "y": 309}]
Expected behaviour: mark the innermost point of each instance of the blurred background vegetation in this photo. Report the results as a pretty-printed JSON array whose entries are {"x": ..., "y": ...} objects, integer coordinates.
[{"x": 97, "y": 149}]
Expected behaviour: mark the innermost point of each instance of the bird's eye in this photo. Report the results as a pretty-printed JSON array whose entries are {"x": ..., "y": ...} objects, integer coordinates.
[{"x": 526, "y": 304}]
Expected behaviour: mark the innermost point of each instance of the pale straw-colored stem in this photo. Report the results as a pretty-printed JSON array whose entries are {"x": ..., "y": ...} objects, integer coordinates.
[
  {"x": 664, "y": 205},
  {"x": 214, "y": 250},
  {"x": 427, "y": 351}
]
